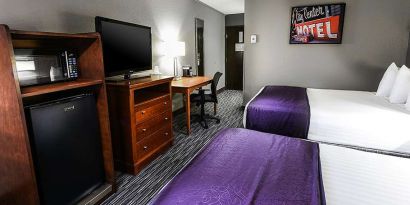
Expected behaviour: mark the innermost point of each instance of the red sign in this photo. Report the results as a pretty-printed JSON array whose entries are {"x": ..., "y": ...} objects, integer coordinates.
[
  {"x": 321, "y": 29},
  {"x": 317, "y": 24}
]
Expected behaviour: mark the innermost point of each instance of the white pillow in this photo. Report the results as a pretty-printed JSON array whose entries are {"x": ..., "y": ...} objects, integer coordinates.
[
  {"x": 401, "y": 87},
  {"x": 387, "y": 82},
  {"x": 408, "y": 103}
]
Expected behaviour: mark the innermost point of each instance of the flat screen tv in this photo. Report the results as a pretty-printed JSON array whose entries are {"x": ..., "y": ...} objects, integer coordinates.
[{"x": 127, "y": 47}]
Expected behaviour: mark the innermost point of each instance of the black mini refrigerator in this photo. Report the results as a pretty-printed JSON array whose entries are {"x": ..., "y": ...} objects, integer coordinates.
[{"x": 66, "y": 148}]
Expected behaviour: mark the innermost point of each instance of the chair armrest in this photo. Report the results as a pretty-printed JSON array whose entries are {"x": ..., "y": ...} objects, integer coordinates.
[{"x": 203, "y": 90}]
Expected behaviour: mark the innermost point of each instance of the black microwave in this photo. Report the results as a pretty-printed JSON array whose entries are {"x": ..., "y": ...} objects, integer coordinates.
[{"x": 36, "y": 67}]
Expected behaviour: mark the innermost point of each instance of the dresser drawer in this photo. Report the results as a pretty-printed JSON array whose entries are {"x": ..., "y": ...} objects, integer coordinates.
[
  {"x": 149, "y": 109},
  {"x": 148, "y": 145},
  {"x": 152, "y": 125}
]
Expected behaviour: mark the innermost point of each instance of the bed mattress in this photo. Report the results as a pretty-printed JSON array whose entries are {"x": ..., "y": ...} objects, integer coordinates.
[
  {"x": 356, "y": 177},
  {"x": 358, "y": 118}
]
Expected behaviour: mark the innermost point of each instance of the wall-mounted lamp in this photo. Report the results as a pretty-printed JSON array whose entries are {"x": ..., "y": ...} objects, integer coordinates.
[{"x": 175, "y": 49}]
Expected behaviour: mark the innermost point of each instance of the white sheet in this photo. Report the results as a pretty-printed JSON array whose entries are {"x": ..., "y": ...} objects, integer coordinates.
[
  {"x": 247, "y": 104},
  {"x": 359, "y": 119},
  {"x": 352, "y": 177}
]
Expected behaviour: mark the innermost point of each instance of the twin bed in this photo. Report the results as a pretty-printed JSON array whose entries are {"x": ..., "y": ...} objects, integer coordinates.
[
  {"x": 247, "y": 167},
  {"x": 242, "y": 167},
  {"x": 350, "y": 118},
  {"x": 327, "y": 165}
]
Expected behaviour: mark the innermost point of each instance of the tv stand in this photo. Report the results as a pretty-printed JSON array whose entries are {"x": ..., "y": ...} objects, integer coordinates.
[
  {"x": 141, "y": 120},
  {"x": 127, "y": 77}
]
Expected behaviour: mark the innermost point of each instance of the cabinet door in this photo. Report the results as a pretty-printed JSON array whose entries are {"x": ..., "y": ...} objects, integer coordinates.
[{"x": 67, "y": 150}]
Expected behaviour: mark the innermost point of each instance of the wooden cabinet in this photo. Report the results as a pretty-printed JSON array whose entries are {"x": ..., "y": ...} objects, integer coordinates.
[
  {"x": 141, "y": 120},
  {"x": 18, "y": 183}
]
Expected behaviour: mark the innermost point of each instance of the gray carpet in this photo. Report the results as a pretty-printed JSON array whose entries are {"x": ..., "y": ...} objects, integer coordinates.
[{"x": 142, "y": 188}]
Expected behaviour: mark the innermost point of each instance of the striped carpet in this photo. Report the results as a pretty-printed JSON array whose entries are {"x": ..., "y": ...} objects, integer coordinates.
[{"x": 142, "y": 188}]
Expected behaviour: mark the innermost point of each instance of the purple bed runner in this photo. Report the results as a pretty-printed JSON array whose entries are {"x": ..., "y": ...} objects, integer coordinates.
[
  {"x": 243, "y": 167},
  {"x": 280, "y": 110}
]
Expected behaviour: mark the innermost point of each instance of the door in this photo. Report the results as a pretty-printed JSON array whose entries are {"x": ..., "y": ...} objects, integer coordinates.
[{"x": 234, "y": 57}]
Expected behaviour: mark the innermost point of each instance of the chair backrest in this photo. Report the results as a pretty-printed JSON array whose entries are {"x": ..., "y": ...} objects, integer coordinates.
[{"x": 214, "y": 84}]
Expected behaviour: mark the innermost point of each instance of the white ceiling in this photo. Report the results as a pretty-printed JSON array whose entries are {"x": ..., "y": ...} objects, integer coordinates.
[{"x": 226, "y": 6}]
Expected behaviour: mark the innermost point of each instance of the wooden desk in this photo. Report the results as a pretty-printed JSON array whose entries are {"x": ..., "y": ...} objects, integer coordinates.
[{"x": 186, "y": 86}]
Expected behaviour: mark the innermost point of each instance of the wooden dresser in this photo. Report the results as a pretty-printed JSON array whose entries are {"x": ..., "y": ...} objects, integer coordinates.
[{"x": 141, "y": 120}]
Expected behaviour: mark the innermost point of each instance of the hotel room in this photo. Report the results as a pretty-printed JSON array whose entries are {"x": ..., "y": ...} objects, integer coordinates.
[{"x": 237, "y": 102}]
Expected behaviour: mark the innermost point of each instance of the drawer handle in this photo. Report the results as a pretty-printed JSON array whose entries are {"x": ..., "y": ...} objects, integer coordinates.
[
  {"x": 144, "y": 130},
  {"x": 166, "y": 134},
  {"x": 145, "y": 147},
  {"x": 165, "y": 103},
  {"x": 143, "y": 112},
  {"x": 166, "y": 118}
]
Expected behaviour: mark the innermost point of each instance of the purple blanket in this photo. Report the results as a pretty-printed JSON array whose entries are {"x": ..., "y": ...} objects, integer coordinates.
[
  {"x": 242, "y": 167},
  {"x": 280, "y": 110}
]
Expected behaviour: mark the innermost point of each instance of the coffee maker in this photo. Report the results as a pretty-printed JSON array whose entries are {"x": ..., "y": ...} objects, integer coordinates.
[{"x": 187, "y": 71}]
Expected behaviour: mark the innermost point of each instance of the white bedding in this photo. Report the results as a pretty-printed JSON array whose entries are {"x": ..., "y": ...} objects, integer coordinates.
[
  {"x": 359, "y": 119},
  {"x": 356, "y": 118},
  {"x": 352, "y": 177}
]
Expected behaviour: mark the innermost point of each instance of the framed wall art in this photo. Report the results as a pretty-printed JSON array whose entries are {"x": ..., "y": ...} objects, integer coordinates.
[{"x": 317, "y": 24}]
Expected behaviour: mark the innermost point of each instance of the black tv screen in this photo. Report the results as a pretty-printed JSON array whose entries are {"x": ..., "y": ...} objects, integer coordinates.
[{"x": 126, "y": 46}]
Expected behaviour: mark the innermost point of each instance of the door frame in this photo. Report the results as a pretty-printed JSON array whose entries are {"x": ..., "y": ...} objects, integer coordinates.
[{"x": 197, "y": 20}]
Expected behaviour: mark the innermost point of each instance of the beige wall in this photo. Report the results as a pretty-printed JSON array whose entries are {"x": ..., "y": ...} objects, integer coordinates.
[
  {"x": 169, "y": 19},
  {"x": 376, "y": 33}
]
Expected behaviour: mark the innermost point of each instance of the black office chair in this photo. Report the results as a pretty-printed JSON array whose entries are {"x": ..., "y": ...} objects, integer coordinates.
[{"x": 201, "y": 98}]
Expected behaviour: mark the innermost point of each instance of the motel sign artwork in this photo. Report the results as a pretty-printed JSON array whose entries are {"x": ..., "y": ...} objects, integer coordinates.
[{"x": 320, "y": 24}]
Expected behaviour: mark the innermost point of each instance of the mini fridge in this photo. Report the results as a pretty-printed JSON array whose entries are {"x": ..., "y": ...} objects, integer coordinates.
[{"x": 66, "y": 147}]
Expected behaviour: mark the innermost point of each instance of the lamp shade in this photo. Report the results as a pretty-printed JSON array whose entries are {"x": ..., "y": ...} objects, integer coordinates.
[{"x": 174, "y": 49}]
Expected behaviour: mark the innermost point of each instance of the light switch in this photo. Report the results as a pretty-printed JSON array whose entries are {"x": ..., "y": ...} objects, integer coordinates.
[{"x": 254, "y": 38}]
